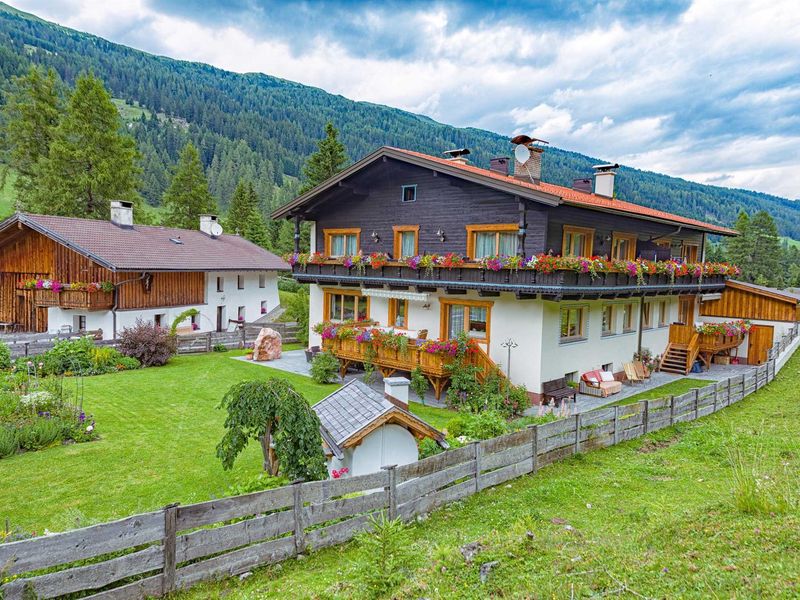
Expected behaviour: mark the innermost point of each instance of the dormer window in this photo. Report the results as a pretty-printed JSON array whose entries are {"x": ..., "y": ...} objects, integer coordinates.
[{"x": 409, "y": 193}]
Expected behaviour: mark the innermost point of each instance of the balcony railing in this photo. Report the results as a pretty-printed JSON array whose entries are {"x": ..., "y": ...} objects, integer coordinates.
[
  {"x": 80, "y": 299},
  {"x": 523, "y": 282},
  {"x": 390, "y": 360}
]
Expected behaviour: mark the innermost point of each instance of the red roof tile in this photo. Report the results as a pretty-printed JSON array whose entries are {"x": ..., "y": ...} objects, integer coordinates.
[
  {"x": 148, "y": 248},
  {"x": 578, "y": 198}
]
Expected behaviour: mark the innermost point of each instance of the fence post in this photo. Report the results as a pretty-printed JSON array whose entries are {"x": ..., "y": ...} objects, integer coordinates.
[
  {"x": 646, "y": 422},
  {"x": 728, "y": 403},
  {"x": 616, "y": 425},
  {"x": 477, "y": 455},
  {"x": 391, "y": 490},
  {"x": 696, "y": 403},
  {"x": 299, "y": 520},
  {"x": 672, "y": 410},
  {"x": 716, "y": 393},
  {"x": 169, "y": 547},
  {"x": 244, "y": 336},
  {"x": 26, "y": 348},
  {"x": 534, "y": 448},
  {"x": 208, "y": 342},
  {"x": 577, "y": 433}
]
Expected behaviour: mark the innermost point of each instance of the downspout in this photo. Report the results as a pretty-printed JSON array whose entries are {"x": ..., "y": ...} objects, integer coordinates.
[
  {"x": 116, "y": 301},
  {"x": 641, "y": 321}
]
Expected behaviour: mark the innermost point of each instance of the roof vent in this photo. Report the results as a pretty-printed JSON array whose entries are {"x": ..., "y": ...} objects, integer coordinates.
[
  {"x": 177, "y": 241},
  {"x": 604, "y": 179},
  {"x": 499, "y": 165},
  {"x": 122, "y": 213},
  {"x": 528, "y": 158},
  {"x": 458, "y": 155}
]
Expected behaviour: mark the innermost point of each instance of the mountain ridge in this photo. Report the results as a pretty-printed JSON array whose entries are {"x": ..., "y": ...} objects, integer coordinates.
[{"x": 258, "y": 126}]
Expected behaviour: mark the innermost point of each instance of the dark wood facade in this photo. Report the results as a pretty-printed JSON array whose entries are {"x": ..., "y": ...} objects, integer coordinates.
[
  {"x": 27, "y": 254},
  {"x": 371, "y": 201}
]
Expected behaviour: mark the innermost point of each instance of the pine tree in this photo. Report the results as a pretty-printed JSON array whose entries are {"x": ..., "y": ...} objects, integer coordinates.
[
  {"x": 740, "y": 248},
  {"x": 329, "y": 159},
  {"x": 30, "y": 117},
  {"x": 255, "y": 229},
  {"x": 187, "y": 196},
  {"x": 90, "y": 161},
  {"x": 243, "y": 203},
  {"x": 766, "y": 263}
]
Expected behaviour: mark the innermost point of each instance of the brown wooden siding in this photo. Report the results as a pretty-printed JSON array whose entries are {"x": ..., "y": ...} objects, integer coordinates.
[
  {"x": 72, "y": 267},
  {"x": 740, "y": 304},
  {"x": 167, "y": 289}
]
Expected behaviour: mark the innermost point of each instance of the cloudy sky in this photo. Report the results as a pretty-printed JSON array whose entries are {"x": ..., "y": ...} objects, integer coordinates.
[{"x": 707, "y": 90}]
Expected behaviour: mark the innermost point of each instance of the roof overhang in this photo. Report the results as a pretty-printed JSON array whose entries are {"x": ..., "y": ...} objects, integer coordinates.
[
  {"x": 762, "y": 291},
  {"x": 295, "y": 207}
]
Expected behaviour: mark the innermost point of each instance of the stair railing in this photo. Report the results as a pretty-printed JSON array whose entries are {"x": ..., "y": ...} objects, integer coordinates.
[{"x": 692, "y": 350}]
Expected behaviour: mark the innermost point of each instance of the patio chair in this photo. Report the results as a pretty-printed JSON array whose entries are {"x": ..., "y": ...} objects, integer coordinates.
[
  {"x": 631, "y": 373},
  {"x": 599, "y": 383},
  {"x": 642, "y": 371},
  {"x": 558, "y": 390},
  {"x": 312, "y": 352}
]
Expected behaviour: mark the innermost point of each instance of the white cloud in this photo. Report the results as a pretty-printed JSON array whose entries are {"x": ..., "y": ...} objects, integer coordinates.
[{"x": 712, "y": 95}]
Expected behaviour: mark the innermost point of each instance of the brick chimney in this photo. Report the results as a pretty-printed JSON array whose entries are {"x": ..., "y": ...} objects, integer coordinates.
[
  {"x": 207, "y": 222},
  {"x": 395, "y": 389},
  {"x": 528, "y": 165},
  {"x": 122, "y": 213},
  {"x": 604, "y": 179}
]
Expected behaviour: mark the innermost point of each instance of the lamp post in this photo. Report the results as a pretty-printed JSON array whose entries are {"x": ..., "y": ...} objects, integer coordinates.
[{"x": 510, "y": 344}]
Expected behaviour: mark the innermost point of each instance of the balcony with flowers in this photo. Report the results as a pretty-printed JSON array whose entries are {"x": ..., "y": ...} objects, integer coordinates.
[
  {"x": 543, "y": 274},
  {"x": 78, "y": 295}
]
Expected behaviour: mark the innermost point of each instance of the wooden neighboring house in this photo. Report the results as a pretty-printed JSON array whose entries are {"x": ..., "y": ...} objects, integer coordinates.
[
  {"x": 565, "y": 323},
  {"x": 772, "y": 312},
  {"x": 148, "y": 272},
  {"x": 364, "y": 430}
]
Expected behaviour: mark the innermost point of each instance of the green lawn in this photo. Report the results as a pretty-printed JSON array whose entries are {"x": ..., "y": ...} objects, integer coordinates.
[
  {"x": 159, "y": 429},
  {"x": 673, "y": 388},
  {"x": 652, "y": 517}
]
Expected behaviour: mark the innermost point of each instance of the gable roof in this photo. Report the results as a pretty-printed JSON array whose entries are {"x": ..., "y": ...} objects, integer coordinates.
[
  {"x": 148, "y": 247},
  {"x": 763, "y": 290},
  {"x": 355, "y": 409},
  {"x": 546, "y": 193}
]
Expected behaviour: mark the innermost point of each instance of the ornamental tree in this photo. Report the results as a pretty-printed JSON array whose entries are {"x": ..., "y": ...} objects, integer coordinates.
[{"x": 272, "y": 412}]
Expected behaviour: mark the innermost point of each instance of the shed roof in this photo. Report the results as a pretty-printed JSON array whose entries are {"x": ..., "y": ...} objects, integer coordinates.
[
  {"x": 355, "y": 408},
  {"x": 763, "y": 290},
  {"x": 149, "y": 247}
]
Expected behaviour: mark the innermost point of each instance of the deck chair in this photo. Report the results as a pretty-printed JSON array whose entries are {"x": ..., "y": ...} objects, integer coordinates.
[
  {"x": 631, "y": 374},
  {"x": 642, "y": 371}
]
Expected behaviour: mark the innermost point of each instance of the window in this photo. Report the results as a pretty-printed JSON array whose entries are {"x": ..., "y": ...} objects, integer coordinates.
[
  {"x": 345, "y": 306},
  {"x": 689, "y": 252},
  {"x": 577, "y": 241},
  {"x": 79, "y": 323},
  {"x": 240, "y": 313},
  {"x": 193, "y": 321},
  {"x": 609, "y": 327},
  {"x": 240, "y": 282},
  {"x": 663, "y": 313},
  {"x": 220, "y": 284},
  {"x": 623, "y": 246},
  {"x": 342, "y": 242},
  {"x": 262, "y": 280},
  {"x": 406, "y": 241},
  {"x": 398, "y": 313},
  {"x": 571, "y": 377},
  {"x": 409, "y": 193},
  {"x": 647, "y": 315},
  {"x": 158, "y": 320},
  {"x": 489, "y": 240},
  {"x": 469, "y": 316},
  {"x": 573, "y": 320},
  {"x": 628, "y": 310}
]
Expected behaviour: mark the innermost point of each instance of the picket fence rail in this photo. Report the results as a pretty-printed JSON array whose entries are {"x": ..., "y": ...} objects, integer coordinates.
[{"x": 154, "y": 553}]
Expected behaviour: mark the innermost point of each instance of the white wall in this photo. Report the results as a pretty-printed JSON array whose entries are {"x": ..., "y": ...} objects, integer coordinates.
[
  {"x": 387, "y": 445},
  {"x": 250, "y": 297}
]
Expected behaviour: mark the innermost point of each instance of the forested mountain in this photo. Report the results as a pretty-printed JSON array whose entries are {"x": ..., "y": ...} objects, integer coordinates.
[{"x": 262, "y": 128}]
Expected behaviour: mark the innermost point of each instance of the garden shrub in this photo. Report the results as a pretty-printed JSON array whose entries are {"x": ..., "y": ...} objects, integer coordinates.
[
  {"x": 5, "y": 356},
  {"x": 69, "y": 356},
  {"x": 41, "y": 433},
  {"x": 384, "y": 555},
  {"x": 151, "y": 345},
  {"x": 219, "y": 348},
  {"x": 477, "y": 426},
  {"x": 325, "y": 368},
  {"x": 287, "y": 284},
  {"x": 9, "y": 441},
  {"x": 297, "y": 307},
  {"x": 419, "y": 384},
  {"x": 429, "y": 447},
  {"x": 261, "y": 482}
]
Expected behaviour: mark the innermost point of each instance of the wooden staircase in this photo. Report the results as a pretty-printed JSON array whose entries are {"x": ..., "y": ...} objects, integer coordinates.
[
  {"x": 686, "y": 345},
  {"x": 679, "y": 358}
]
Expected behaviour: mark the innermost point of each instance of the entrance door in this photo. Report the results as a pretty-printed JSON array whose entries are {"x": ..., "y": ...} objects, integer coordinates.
[
  {"x": 758, "y": 344},
  {"x": 221, "y": 318},
  {"x": 686, "y": 310}
]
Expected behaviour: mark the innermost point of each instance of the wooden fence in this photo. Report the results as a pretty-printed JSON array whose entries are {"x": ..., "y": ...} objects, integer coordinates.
[
  {"x": 154, "y": 553},
  {"x": 187, "y": 343}
]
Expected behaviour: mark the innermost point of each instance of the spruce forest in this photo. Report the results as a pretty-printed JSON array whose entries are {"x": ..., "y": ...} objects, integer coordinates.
[{"x": 240, "y": 143}]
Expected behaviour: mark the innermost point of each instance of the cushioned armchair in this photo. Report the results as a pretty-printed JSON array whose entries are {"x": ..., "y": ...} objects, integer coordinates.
[{"x": 599, "y": 383}]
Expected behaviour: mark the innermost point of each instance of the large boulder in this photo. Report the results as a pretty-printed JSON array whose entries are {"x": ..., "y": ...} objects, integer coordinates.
[{"x": 267, "y": 345}]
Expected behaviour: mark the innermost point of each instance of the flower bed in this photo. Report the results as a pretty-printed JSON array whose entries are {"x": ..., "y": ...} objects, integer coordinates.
[
  {"x": 726, "y": 329},
  {"x": 542, "y": 263}
]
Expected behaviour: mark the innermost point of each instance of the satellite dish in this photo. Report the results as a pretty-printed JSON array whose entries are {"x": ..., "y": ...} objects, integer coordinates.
[
  {"x": 521, "y": 153},
  {"x": 216, "y": 229}
]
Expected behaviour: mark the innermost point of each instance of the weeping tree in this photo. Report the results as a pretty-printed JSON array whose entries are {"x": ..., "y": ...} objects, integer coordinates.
[{"x": 272, "y": 412}]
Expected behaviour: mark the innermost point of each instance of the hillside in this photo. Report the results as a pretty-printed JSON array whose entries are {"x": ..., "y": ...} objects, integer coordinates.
[{"x": 262, "y": 127}]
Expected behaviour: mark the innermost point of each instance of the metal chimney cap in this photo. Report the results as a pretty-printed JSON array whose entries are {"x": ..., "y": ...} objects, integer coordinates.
[
  {"x": 457, "y": 152},
  {"x": 605, "y": 167},
  {"x": 526, "y": 139}
]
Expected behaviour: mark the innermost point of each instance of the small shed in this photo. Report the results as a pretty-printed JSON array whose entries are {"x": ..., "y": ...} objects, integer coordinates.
[{"x": 364, "y": 430}]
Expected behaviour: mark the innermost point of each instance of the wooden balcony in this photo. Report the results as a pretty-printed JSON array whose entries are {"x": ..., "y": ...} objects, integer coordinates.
[
  {"x": 76, "y": 299},
  {"x": 523, "y": 282},
  {"x": 687, "y": 345},
  {"x": 389, "y": 361}
]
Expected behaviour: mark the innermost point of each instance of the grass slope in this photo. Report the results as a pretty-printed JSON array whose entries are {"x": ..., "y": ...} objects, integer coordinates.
[
  {"x": 653, "y": 517},
  {"x": 673, "y": 388},
  {"x": 159, "y": 431}
]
